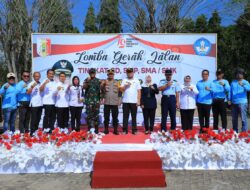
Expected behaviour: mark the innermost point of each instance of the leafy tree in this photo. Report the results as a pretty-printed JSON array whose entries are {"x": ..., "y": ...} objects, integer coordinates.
[
  {"x": 214, "y": 23},
  {"x": 201, "y": 24},
  {"x": 90, "y": 20},
  {"x": 109, "y": 17},
  {"x": 188, "y": 25}
]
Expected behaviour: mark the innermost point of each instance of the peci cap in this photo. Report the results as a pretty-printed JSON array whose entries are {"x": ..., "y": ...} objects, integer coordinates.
[
  {"x": 111, "y": 71},
  {"x": 129, "y": 70},
  {"x": 9, "y": 75},
  {"x": 168, "y": 72},
  {"x": 92, "y": 70}
]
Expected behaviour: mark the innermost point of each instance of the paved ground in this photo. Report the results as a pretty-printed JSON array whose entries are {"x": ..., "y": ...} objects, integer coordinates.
[{"x": 176, "y": 180}]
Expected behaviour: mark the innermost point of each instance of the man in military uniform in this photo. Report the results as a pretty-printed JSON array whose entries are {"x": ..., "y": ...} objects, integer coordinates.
[
  {"x": 170, "y": 99},
  {"x": 111, "y": 101},
  {"x": 92, "y": 86}
]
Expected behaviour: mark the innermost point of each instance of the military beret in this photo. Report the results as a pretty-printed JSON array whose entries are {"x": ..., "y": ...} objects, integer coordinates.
[{"x": 92, "y": 70}]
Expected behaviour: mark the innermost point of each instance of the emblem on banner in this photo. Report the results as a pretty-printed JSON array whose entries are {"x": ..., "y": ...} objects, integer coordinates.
[
  {"x": 43, "y": 47},
  {"x": 202, "y": 46},
  {"x": 121, "y": 42},
  {"x": 63, "y": 64}
]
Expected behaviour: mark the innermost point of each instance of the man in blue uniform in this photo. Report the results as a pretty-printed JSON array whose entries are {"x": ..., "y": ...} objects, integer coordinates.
[
  {"x": 23, "y": 102},
  {"x": 239, "y": 89},
  {"x": 221, "y": 94},
  {"x": 9, "y": 92},
  {"x": 170, "y": 99},
  {"x": 204, "y": 99}
]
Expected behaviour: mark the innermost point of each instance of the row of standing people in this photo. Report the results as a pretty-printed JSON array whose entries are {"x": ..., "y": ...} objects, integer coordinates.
[
  {"x": 59, "y": 98},
  {"x": 206, "y": 95}
]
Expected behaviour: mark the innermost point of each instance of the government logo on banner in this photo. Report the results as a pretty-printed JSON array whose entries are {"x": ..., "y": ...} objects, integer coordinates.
[
  {"x": 43, "y": 47},
  {"x": 202, "y": 47}
]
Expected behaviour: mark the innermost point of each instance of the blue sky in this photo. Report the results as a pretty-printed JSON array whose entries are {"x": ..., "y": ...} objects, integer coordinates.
[{"x": 80, "y": 8}]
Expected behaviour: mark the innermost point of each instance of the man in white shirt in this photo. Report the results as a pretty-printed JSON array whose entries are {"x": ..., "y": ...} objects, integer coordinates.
[
  {"x": 187, "y": 103},
  {"x": 62, "y": 102},
  {"x": 131, "y": 89},
  {"x": 36, "y": 103},
  {"x": 48, "y": 89}
]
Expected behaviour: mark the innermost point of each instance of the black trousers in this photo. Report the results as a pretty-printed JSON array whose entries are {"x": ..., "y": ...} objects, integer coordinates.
[
  {"x": 149, "y": 118},
  {"x": 49, "y": 118},
  {"x": 187, "y": 117},
  {"x": 219, "y": 108},
  {"x": 62, "y": 117},
  {"x": 24, "y": 119},
  {"x": 127, "y": 109},
  {"x": 36, "y": 113},
  {"x": 168, "y": 105},
  {"x": 75, "y": 115},
  {"x": 114, "y": 111},
  {"x": 204, "y": 114}
]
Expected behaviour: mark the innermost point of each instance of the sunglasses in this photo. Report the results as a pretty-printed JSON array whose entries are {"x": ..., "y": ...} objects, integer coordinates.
[
  {"x": 26, "y": 76},
  {"x": 11, "y": 78}
]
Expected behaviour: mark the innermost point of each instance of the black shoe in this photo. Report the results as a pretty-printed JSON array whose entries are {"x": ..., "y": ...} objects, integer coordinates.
[
  {"x": 106, "y": 130},
  {"x": 134, "y": 132},
  {"x": 116, "y": 133},
  {"x": 125, "y": 132},
  {"x": 146, "y": 132}
]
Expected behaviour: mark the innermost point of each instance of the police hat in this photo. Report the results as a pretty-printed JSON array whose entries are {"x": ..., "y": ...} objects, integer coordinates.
[
  {"x": 129, "y": 70},
  {"x": 92, "y": 70},
  {"x": 111, "y": 71},
  {"x": 168, "y": 72},
  {"x": 219, "y": 71},
  {"x": 63, "y": 66}
]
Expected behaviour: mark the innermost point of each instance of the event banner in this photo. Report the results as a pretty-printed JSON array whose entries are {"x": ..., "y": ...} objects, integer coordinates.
[{"x": 148, "y": 54}]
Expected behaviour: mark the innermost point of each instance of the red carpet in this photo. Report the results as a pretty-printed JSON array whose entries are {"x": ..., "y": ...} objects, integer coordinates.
[
  {"x": 129, "y": 138},
  {"x": 125, "y": 139},
  {"x": 127, "y": 169}
]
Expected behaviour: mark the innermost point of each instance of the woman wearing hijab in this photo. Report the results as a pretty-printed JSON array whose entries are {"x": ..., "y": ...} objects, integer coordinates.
[
  {"x": 187, "y": 103},
  {"x": 148, "y": 103},
  {"x": 76, "y": 103}
]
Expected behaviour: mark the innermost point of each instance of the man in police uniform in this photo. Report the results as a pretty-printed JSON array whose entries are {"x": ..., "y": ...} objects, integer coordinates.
[
  {"x": 170, "y": 99},
  {"x": 111, "y": 101},
  {"x": 92, "y": 86}
]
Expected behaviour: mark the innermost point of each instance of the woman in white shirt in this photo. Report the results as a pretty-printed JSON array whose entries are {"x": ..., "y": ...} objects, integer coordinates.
[
  {"x": 76, "y": 100},
  {"x": 187, "y": 103},
  {"x": 62, "y": 102}
]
